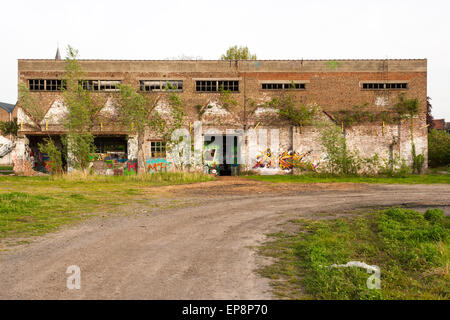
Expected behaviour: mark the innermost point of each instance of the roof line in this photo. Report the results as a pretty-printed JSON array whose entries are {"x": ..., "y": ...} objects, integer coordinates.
[{"x": 217, "y": 60}]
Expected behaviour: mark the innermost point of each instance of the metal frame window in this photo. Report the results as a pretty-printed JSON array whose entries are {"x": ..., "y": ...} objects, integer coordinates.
[
  {"x": 101, "y": 85},
  {"x": 283, "y": 86},
  {"x": 229, "y": 85},
  {"x": 91, "y": 85},
  {"x": 216, "y": 85},
  {"x": 45, "y": 84},
  {"x": 385, "y": 86},
  {"x": 53, "y": 85},
  {"x": 36, "y": 84},
  {"x": 158, "y": 149},
  {"x": 161, "y": 85},
  {"x": 109, "y": 85}
]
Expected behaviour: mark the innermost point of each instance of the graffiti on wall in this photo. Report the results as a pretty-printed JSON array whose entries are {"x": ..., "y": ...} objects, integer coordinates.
[
  {"x": 157, "y": 164},
  {"x": 290, "y": 159},
  {"x": 265, "y": 160},
  {"x": 130, "y": 168},
  {"x": 287, "y": 160},
  {"x": 112, "y": 163}
]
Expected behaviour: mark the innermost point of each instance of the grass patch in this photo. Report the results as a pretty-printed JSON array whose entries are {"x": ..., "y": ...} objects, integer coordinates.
[
  {"x": 411, "y": 249},
  {"x": 31, "y": 206},
  {"x": 326, "y": 178}
]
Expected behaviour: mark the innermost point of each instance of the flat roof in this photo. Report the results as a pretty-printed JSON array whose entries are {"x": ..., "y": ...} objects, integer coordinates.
[{"x": 167, "y": 66}]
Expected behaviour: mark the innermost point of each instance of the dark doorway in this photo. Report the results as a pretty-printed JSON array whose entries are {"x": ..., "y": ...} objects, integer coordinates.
[
  {"x": 222, "y": 151},
  {"x": 40, "y": 159},
  {"x": 111, "y": 144}
]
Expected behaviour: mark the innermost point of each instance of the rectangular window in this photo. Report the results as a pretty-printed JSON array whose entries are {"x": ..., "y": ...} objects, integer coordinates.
[
  {"x": 226, "y": 85},
  {"x": 161, "y": 85},
  {"x": 283, "y": 86},
  {"x": 45, "y": 84},
  {"x": 109, "y": 85},
  {"x": 157, "y": 149},
  {"x": 91, "y": 85},
  {"x": 385, "y": 86},
  {"x": 216, "y": 85},
  {"x": 53, "y": 85},
  {"x": 101, "y": 85},
  {"x": 36, "y": 84}
]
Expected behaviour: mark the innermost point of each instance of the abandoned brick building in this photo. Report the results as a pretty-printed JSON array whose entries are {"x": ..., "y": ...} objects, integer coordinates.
[{"x": 332, "y": 85}]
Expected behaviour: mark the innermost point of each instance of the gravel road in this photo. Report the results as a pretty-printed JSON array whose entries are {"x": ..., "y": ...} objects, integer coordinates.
[{"x": 203, "y": 251}]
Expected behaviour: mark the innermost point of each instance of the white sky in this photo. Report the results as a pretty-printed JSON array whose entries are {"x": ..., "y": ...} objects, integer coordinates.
[{"x": 272, "y": 29}]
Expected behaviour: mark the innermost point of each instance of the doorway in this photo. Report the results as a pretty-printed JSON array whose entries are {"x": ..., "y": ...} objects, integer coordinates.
[{"x": 221, "y": 153}]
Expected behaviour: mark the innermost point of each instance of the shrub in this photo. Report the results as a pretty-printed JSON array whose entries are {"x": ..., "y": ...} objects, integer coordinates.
[
  {"x": 438, "y": 148},
  {"x": 55, "y": 155},
  {"x": 340, "y": 160},
  {"x": 434, "y": 215},
  {"x": 411, "y": 237}
]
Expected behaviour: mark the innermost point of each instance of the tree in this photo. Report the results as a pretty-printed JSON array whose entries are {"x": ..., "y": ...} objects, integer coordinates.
[
  {"x": 31, "y": 104},
  {"x": 290, "y": 109},
  {"x": 238, "y": 53},
  {"x": 49, "y": 147},
  {"x": 9, "y": 127},
  {"x": 83, "y": 108},
  {"x": 135, "y": 114},
  {"x": 438, "y": 148},
  {"x": 410, "y": 107},
  {"x": 429, "y": 115},
  {"x": 138, "y": 112}
]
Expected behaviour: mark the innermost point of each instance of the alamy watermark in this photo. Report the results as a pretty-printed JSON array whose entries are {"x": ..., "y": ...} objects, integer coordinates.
[
  {"x": 374, "y": 281},
  {"x": 74, "y": 280}
]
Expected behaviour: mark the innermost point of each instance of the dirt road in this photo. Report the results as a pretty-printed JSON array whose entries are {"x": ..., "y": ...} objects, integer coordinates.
[{"x": 196, "y": 252}]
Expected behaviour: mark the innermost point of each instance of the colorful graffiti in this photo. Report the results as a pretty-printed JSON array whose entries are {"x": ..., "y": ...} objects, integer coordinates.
[
  {"x": 287, "y": 160},
  {"x": 131, "y": 168},
  {"x": 290, "y": 159},
  {"x": 157, "y": 164},
  {"x": 265, "y": 160},
  {"x": 113, "y": 163}
]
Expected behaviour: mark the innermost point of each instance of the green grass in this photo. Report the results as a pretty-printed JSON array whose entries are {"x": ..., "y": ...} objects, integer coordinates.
[
  {"x": 31, "y": 206},
  {"x": 411, "y": 249},
  {"x": 325, "y": 178}
]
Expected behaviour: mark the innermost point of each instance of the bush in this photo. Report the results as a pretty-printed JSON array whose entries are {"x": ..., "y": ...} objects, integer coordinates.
[
  {"x": 411, "y": 237},
  {"x": 438, "y": 148},
  {"x": 434, "y": 215},
  {"x": 55, "y": 163},
  {"x": 340, "y": 160}
]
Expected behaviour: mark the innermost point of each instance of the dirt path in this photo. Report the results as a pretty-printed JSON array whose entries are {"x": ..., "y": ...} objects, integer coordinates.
[{"x": 202, "y": 252}]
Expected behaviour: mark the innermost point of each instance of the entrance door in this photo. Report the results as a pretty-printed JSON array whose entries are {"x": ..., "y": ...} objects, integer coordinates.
[{"x": 221, "y": 153}]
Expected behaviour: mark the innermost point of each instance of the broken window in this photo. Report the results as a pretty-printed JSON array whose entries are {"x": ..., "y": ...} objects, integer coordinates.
[
  {"x": 161, "y": 85},
  {"x": 101, "y": 85},
  {"x": 158, "y": 149},
  {"x": 283, "y": 86},
  {"x": 383, "y": 86},
  {"x": 90, "y": 85},
  {"x": 216, "y": 85},
  {"x": 109, "y": 85}
]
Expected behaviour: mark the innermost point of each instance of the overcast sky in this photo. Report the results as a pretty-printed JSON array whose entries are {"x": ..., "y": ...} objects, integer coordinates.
[{"x": 272, "y": 29}]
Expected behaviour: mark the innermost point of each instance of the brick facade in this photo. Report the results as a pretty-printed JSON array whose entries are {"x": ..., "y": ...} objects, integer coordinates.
[{"x": 332, "y": 85}]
